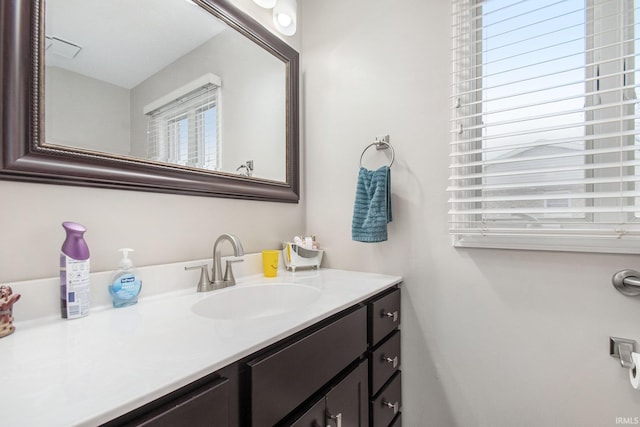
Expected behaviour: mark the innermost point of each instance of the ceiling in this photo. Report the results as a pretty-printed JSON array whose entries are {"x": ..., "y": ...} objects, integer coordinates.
[{"x": 146, "y": 35}]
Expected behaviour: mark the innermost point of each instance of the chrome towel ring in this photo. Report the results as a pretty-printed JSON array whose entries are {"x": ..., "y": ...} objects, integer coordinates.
[{"x": 380, "y": 144}]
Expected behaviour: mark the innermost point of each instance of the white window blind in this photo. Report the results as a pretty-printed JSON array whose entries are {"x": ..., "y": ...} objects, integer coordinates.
[
  {"x": 185, "y": 130},
  {"x": 544, "y": 129}
]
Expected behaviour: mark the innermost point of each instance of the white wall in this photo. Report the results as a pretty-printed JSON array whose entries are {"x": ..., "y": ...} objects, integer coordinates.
[
  {"x": 161, "y": 227},
  {"x": 74, "y": 118},
  {"x": 490, "y": 337}
]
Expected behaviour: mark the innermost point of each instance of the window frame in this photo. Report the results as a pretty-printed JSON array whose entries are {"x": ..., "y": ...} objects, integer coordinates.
[{"x": 476, "y": 144}]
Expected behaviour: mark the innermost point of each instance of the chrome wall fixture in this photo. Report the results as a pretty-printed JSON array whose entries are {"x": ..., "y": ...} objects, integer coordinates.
[
  {"x": 621, "y": 348},
  {"x": 625, "y": 350},
  {"x": 627, "y": 282},
  {"x": 381, "y": 143}
]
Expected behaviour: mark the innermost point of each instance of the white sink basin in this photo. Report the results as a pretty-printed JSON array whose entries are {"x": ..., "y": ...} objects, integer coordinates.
[{"x": 255, "y": 301}]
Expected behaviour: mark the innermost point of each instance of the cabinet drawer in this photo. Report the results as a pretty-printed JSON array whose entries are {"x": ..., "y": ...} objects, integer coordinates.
[
  {"x": 385, "y": 361},
  {"x": 384, "y": 316},
  {"x": 282, "y": 380},
  {"x": 206, "y": 406},
  {"x": 388, "y": 403}
]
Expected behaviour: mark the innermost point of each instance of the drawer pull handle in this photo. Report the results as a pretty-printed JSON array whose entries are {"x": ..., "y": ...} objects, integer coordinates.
[
  {"x": 390, "y": 405},
  {"x": 391, "y": 315},
  {"x": 393, "y": 361},
  {"x": 338, "y": 419}
]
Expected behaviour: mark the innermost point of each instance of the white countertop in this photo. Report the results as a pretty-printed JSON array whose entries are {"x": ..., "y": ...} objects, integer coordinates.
[{"x": 87, "y": 371}]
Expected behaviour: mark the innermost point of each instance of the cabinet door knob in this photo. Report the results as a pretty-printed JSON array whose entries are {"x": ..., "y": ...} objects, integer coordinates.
[
  {"x": 337, "y": 417},
  {"x": 392, "y": 360},
  {"x": 391, "y": 315},
  {"x": 394, "y": 406}
]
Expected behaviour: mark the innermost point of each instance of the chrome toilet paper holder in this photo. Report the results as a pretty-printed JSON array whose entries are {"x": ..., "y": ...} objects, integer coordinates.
[{"x": 622, "y": 348}]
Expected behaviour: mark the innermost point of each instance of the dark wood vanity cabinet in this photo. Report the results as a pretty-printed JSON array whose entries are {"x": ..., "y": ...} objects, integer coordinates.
[
  {"x": 374, "y": 383},
  {"x": 340, "y": 372}
]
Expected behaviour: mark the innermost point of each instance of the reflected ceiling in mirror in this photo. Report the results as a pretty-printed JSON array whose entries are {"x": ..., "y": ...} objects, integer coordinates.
[{"x": 163, "y": 82}]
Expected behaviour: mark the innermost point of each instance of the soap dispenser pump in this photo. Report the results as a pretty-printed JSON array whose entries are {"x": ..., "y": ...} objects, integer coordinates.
[{"x": 125, "y": 286}]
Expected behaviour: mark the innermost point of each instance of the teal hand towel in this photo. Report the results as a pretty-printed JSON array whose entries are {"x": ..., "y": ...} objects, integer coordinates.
[{"x": 372, "y": 208}]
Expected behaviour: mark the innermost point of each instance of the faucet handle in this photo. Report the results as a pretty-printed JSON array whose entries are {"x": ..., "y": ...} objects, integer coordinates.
[
  {"x": 204, "y": 284},
  {"x": 228, "y": 272}
]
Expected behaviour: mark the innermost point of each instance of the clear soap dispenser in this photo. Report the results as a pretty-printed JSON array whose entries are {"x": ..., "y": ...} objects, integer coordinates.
[{"x": 125, "y": 285}]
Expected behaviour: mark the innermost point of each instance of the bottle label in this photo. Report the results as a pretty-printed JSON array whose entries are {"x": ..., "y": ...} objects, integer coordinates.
[
  {"x": 76, "y": 291},
  {"x": 126, "y": 287}
]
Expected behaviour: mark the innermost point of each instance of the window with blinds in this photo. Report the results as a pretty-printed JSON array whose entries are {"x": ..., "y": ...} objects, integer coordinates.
[
  {"x": 185, "y": 130},
  {"x": 544, "y": 129}
]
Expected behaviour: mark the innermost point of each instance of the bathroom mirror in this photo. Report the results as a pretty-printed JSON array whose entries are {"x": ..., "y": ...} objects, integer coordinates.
[{"x": 177, "y": 96}]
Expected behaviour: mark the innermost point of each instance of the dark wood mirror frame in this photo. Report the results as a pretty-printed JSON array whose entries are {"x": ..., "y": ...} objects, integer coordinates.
[{"x": 23, "y": 158}]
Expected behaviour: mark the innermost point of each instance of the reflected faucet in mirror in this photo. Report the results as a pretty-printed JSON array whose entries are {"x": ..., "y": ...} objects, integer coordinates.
[{"x": 247, "y": 168}]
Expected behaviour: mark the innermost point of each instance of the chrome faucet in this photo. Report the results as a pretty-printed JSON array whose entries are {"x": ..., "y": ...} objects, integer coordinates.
[
  {"x": 228, "y": 279},
  {"x": 219, "y": 282}
]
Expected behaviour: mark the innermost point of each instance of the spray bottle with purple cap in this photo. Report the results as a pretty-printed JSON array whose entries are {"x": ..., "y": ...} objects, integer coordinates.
[{"x": 74, "y": 272}]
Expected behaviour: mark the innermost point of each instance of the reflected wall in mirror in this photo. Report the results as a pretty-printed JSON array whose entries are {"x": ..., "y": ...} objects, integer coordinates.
[{"x": 161, "y": 95}]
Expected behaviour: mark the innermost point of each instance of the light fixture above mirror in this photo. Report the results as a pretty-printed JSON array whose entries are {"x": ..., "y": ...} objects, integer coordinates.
[
  {"x": 267, "y": 4},
  {"x": 284, "y": 14}
]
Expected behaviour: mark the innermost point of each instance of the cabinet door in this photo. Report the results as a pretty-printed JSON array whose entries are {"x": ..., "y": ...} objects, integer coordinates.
[
  {"x": 314, "y": 417},
  {"x": 346, "y": 403},
  {"x": 207, "y": 406}
]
